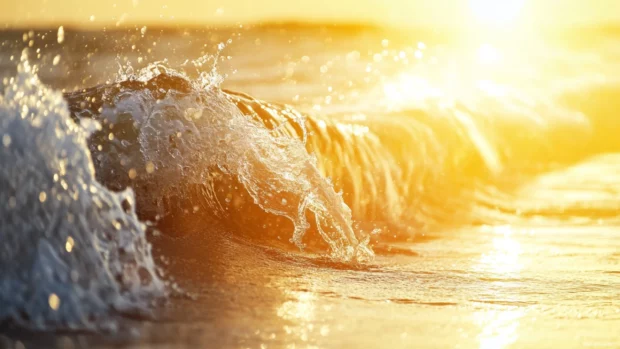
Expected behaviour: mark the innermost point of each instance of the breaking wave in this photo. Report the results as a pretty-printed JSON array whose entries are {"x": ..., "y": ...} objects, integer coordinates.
[
  {"x": 72, "y": 251},
  {"x": 74, "y": 247}
]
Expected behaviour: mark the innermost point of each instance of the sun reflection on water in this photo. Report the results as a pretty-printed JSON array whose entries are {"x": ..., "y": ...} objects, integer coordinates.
[
  {"x": 480, "y": 72},
  {"x": 499, "y": 327},
  {"x": 409, "y": 88},
  {"x": 504, "y": 257},
  {"x": 300, "y": 311},
  {"x": 301, "y": 308}
]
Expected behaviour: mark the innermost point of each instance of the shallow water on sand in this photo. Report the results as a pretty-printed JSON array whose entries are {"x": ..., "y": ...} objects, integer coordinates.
[{"x": 486, "y": 288}]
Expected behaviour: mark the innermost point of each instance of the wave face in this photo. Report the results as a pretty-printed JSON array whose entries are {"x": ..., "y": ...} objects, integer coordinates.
[
  {"x": 185, "y": 146},
  {"x": 72, "y": 251},
  {"x": 191, "y": 150}
]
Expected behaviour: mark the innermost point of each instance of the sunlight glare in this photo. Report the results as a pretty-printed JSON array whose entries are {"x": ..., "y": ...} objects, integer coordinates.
[
  {"x": 407, "y": 89},
  {"x": 300, "y": 312},
  {"x": 499, "y": 328},
  {"x": 504, "y": 257},
  {"x": 488, "y": 54},
  {"x": 496, "y": 12}
]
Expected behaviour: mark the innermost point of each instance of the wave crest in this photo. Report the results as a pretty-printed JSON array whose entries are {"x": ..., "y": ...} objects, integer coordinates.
[{"x": 169, "y": 136}]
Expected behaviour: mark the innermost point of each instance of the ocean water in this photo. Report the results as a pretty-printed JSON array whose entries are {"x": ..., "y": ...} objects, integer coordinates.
[{"x": 313, "y": 186}]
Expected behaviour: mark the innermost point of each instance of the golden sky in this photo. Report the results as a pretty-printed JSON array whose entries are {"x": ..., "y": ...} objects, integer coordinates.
[{"x": 438, "y": 13}]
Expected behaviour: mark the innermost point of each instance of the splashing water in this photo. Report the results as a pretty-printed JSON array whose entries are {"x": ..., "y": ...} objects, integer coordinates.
[
  {"x": 71, "y": 250},
  {"x": 172, "y": 134}
]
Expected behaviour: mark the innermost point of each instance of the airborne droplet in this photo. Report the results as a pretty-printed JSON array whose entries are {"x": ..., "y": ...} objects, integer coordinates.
[
  {"x": 61, "y": 34},
  {"x": 150, "y": 167},
  {"x": 6, "y": 140},
  {"x": 54, "y": 301},
  {"x": 69, "y": 244}
]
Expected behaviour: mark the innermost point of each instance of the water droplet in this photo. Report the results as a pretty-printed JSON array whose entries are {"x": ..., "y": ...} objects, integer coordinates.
[
  {"x": 6, "y": 140},
  {"x": 150, "y": 168},
  {"x": 61, "y": 34},
  {"x": 56, "y": 60},
  {"x": 132, "y": 174},
  {"x": 111, "y": 136},
  {"x": 42, "y": 196},
  {"x": 54, "y": 301},
  {"x": 69, "y": 244}
]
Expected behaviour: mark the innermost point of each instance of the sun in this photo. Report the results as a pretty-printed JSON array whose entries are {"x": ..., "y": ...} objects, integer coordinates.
[{"x": 496, "y": 12}]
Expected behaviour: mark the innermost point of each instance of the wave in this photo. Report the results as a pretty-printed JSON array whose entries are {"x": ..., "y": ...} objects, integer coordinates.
[
  {"x": 194, "y": 153},
  {"x": 72, "y": 251},
  {"x": 185, "y": 148},
  {"x": 229, "y": 155}
]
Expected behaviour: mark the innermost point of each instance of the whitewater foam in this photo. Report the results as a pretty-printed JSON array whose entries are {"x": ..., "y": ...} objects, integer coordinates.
[{"x": 72, "y": 251}]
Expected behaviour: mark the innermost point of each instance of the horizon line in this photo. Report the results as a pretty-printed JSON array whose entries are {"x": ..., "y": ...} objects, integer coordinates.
[{"x": 274, "y": 23}]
